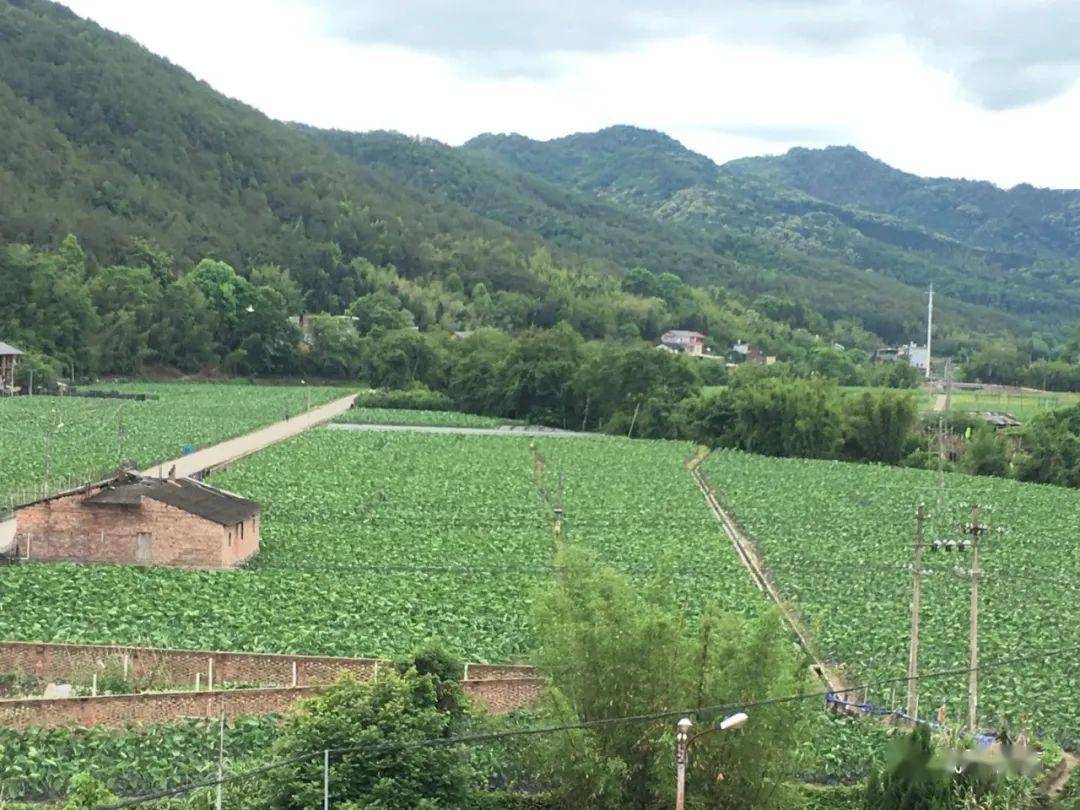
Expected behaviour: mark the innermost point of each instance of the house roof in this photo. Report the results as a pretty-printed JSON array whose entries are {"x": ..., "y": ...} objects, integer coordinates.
[
  {"x": 682, "y": 333},
  {"x": 189, "y": 495},
  {"x": 999, "y": 419},
  {"x": 7, "y": 350}
]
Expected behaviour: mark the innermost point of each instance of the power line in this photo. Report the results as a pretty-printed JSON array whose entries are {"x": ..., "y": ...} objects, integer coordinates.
[{"x": 474, "y": 739}]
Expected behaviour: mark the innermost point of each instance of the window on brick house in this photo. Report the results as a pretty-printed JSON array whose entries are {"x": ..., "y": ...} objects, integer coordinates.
[{"x": 241, "y": 530}]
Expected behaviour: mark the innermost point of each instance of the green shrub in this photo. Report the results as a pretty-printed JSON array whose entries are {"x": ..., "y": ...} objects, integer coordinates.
[{"x": 416, "y": 399}]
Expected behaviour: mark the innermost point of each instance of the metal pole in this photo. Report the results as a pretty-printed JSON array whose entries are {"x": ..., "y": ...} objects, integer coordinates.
[
  {"x": 682, "y": 739},
  {"x": 326, "y": 780},
  {"x": 973, "y": 662},
  {"x": 916, "y": 593},
  {"x": 929, "y": 327}
]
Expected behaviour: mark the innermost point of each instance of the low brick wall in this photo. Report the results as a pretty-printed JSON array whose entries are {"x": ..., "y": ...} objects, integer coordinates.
[
  {"x": 497, "y": 672},
  {"x": 120, "y": 711},
  {"x": 498, "y": 688},
  {"x": 162, "y": 667},
  {"x": 165, "y": 667},
  {"x": 506, "y": 695}
]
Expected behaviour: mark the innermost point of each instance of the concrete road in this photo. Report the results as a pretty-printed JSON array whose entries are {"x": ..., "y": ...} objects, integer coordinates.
[{"x": 233, "y": 449}]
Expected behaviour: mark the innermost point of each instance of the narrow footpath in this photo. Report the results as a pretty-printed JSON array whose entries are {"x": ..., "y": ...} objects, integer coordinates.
[
  {"x": 752, "y": 559},
  {"x": 234, "y": 449},
  {"x": 504, "y": 430}
]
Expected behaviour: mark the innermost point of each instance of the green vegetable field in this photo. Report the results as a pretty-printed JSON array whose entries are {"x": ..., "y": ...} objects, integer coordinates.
[
  {"x": 1022, "y": 405},
  {"x": 375, "y": 542},
  {"x": 402, "y": 416},
  {"x": 82, "y": 434},
  {"x": 838, "y": 537},
  {"x": 37, "y": 764}
]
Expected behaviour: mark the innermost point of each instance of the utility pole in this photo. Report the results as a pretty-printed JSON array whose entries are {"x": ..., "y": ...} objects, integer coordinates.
[
  {"x": 976, "y": 530},
  {"x": 220, "y": 761},
  {"x": 929, "y": 326},
  {"x": 682, "y": 742},
  {"x": 940, "y": 461},
  {"x": 916, "y": 594},
  {"x": 120, "y": 435}
]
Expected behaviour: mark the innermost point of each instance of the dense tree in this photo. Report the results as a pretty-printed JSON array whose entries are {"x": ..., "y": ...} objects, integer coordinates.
[
  {"x": 1051, "y": 449},
  {"x": 537, "y": 374},
  {"x": 398, "y": 707},
  {"x": 611, "y": 651},
  {"x": 778, "y": 417},
  {"x": 877, "y": 426}
]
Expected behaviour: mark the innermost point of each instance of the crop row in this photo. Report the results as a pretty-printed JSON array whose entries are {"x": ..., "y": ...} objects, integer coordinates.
[
  {"x": 838, "y": 538},
  {"x": 77, "y": 437}
]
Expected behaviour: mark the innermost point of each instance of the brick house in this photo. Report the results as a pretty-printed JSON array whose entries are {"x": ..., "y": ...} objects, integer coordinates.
[
  {"x": 9, "y": 356},
  {"x": 133, "y": 520}
]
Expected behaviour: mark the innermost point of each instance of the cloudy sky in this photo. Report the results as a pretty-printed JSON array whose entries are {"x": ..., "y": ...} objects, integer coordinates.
[{"x": 985, "y": 89}]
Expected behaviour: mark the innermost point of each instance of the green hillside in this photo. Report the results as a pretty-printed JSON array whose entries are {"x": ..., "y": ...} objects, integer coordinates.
[
  {"x": 761, "y": 218},
  {"x": 105, "y": 140},
  {"x": 1024, "y": 219},
  {"x": 149, "y": 167}
]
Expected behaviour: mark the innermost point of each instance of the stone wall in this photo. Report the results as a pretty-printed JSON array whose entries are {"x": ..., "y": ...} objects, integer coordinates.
[{"x": 66, "y": 529}]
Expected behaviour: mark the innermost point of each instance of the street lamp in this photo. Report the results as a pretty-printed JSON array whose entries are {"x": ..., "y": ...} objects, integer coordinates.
[{"x": 683, "y": 741}]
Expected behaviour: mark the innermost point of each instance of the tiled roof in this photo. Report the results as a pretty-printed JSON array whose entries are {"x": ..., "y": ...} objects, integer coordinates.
[{"x": 184, "y": 493}]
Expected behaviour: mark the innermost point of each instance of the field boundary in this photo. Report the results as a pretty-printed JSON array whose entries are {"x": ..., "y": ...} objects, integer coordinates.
[{"x": 752, "y": 558}]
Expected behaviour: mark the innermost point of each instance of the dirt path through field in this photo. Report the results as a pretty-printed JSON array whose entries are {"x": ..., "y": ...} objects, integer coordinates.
[
  {"x": 939, "y": 403},
  {"x": 234, "y": 449},
  {"x": 754, "y": 563},
  {"x": 505, "y": 430}
]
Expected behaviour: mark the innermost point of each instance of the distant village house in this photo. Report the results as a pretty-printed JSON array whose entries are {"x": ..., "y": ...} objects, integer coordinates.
[
  {"x": 682, "y": 340},
  {"x": 9, "y": 357},
  {"x": 745, "y": 353},
  {"x": 913, "y": 354},
  {"x": 135, "y": 520}
]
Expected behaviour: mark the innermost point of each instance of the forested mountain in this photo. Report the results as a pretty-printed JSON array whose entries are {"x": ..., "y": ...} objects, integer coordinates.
[
  {"x": 151, "y": 170},
  {"x": 617, "y": 195},
  {"x": 794, "y": 229},
  {"x": 104, "y": 140},
  {"x": 1024, "y": 219}
]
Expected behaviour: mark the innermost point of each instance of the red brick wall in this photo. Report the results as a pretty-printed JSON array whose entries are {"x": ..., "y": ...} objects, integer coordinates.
[
  {"x": 498, "y": 688},
  {"x": 496, "y": 672},
  {"x": 120, "y": 711},
  {"x": 234, "y": 548},
  {"x": 506, "y": 695},
  {"x": 160, "y": 667},
  {"x": 68, "y": 529}
]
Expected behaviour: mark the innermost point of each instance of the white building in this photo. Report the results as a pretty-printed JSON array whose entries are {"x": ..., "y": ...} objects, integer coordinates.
[{"x": 917, "y": 356}]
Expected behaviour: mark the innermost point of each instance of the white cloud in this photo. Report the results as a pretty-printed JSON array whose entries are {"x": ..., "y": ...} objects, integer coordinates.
[{"x": 724, "y": 97}]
